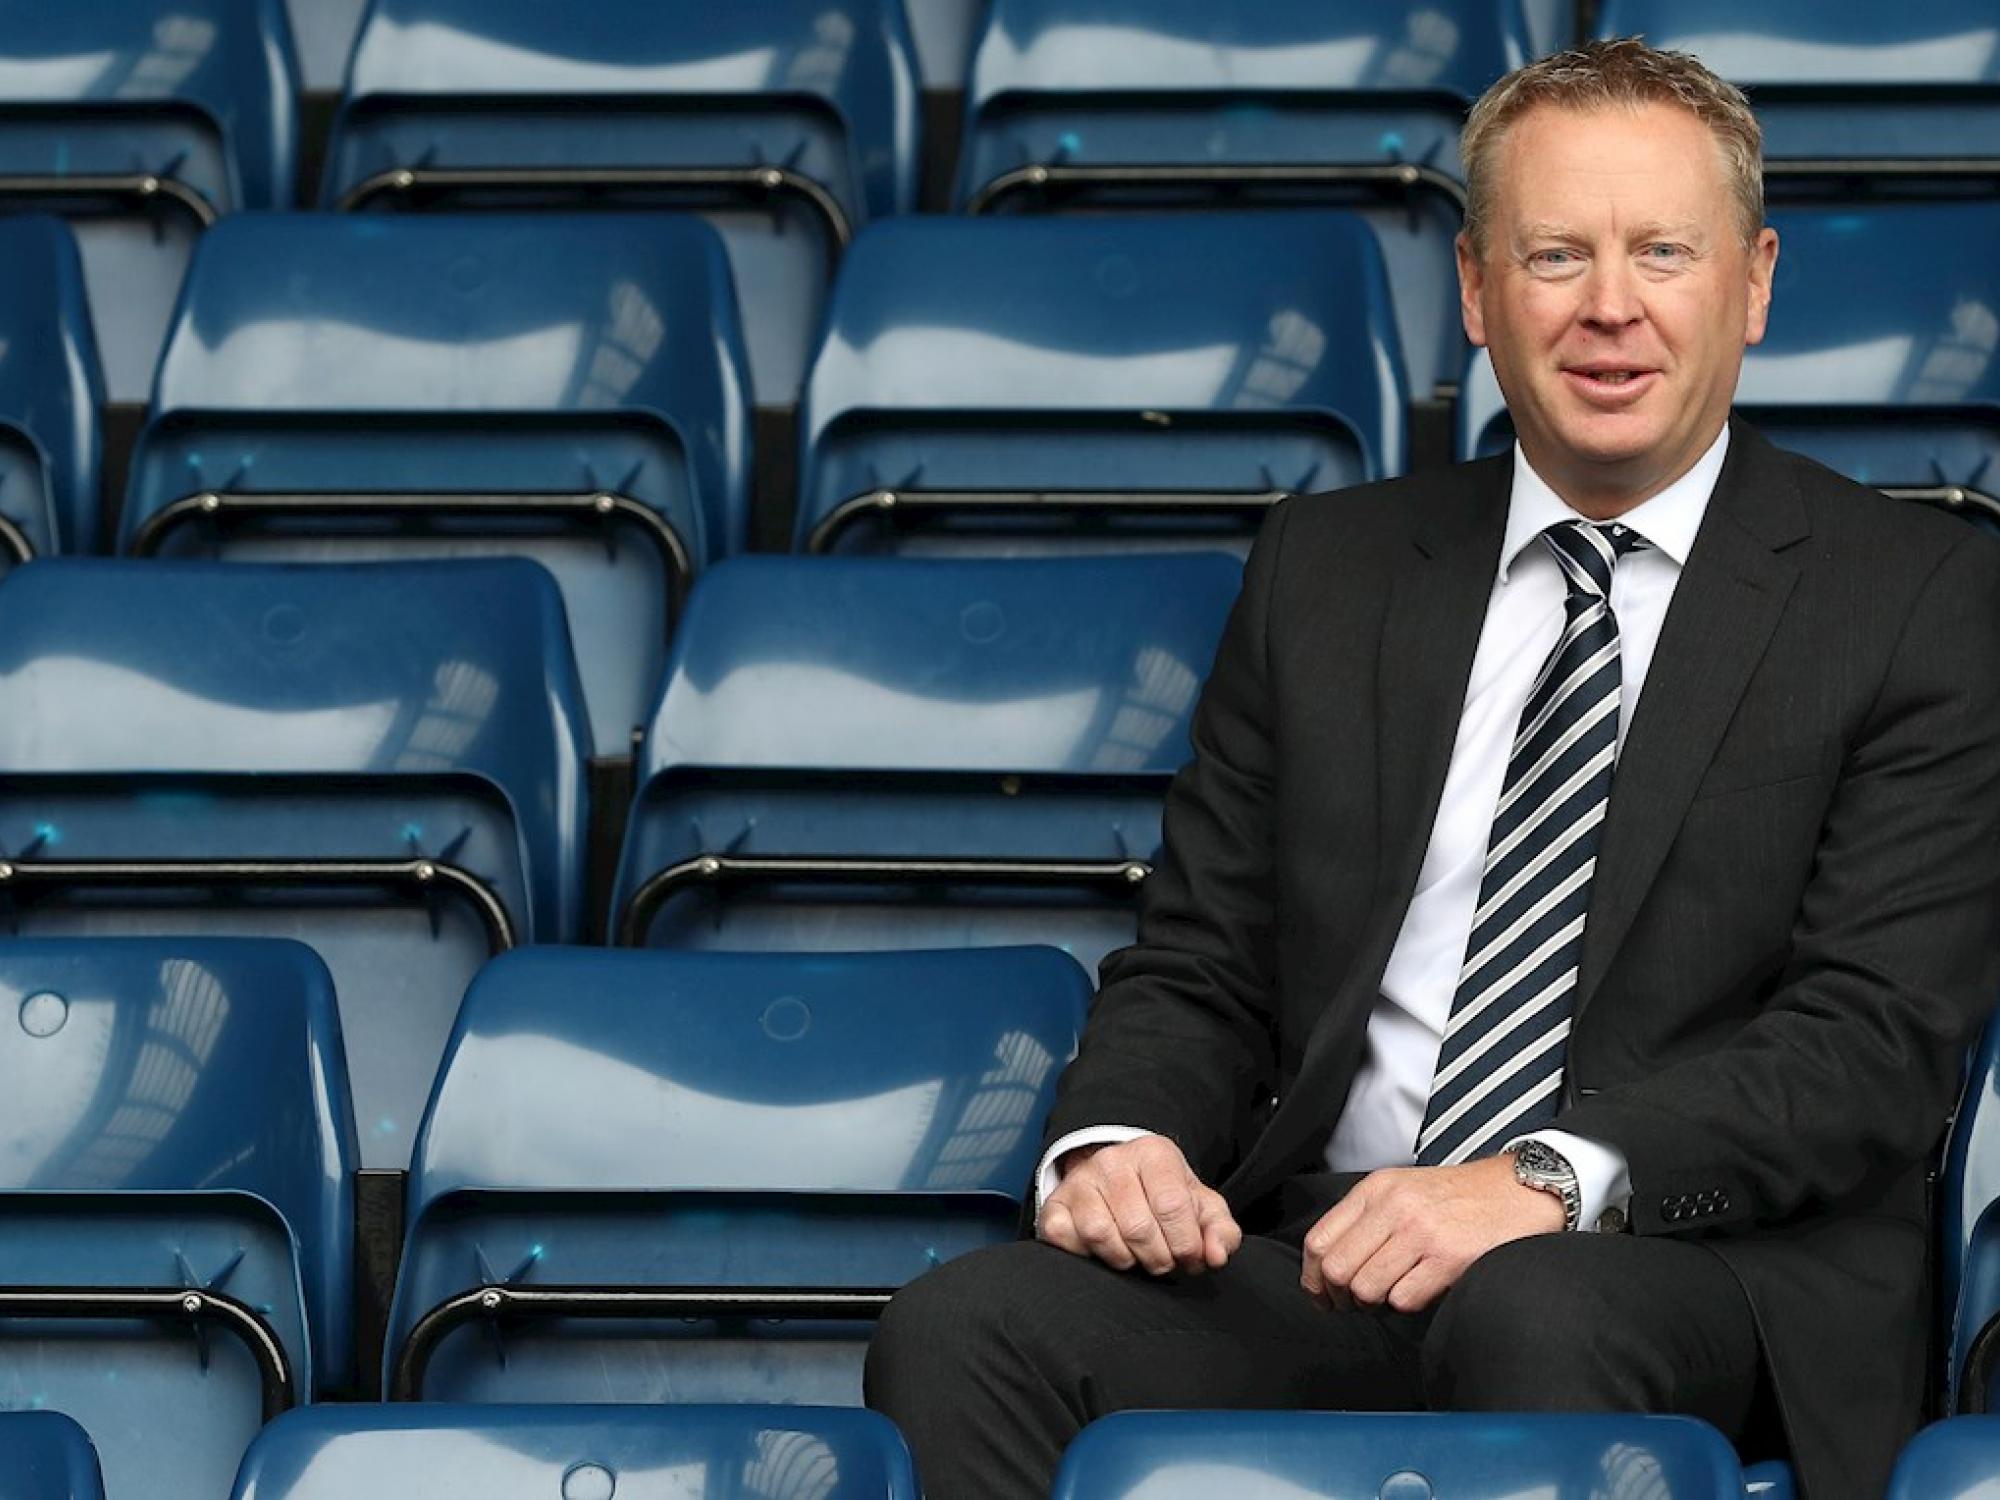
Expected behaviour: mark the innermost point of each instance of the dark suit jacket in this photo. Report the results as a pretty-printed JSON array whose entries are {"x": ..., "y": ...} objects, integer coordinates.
[{"x": 1792, "y": 930}]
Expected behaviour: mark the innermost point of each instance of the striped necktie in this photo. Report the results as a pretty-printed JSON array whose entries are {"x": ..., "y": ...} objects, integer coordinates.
[{"x": 1499, "y": 1071}]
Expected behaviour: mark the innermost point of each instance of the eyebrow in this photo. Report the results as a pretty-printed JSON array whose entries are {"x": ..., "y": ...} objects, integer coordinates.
[{"x": 1550, "y": 230}]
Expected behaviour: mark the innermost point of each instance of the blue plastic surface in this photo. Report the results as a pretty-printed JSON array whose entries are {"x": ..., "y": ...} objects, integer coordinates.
[
  {"x": 717, "y": 1119},
  {"x": 50, "y": 389},
  {"x": 1892, "y": 380},
  {"x": 1026, "y": 708},
  {"x": 1219, "y": 352},
  {"x": 202, "y": 93},
  {"x": 393, "y": 711},
  {"x": 1957, "y": 1459},
  {"x": 475, "y": 354},
  {"x": 826, "y": 88},
  {"x": 178, "y": 1117},
  {"x": 1189, "y": 82},
  {"x": 577, "y": 1453},
  {"x": 1969, "y": 1213},
  {"x": 1264, "y": 1455},
  {"x": 46, "y": 1456}
]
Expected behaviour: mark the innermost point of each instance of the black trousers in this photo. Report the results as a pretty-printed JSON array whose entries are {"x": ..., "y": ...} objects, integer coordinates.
[{"x": 993, "y": 1362}]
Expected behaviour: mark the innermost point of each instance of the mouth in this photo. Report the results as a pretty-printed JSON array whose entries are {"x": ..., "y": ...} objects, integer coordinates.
[{"x": 1610, "y": 384}]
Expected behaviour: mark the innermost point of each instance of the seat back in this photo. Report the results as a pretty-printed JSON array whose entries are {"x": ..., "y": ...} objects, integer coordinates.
[
  {"x": 722, "y": 1121},
  {"x": 141, "y": 121},
  {"x": 1269, "y": 1455},
  {"x": 589, "y": 387},
  {"x": 538, "y": 1452},
  {"x": 385, "y": 760},
  {"x": 1957, "y": 1459},
  {"x": 1183, "y": 103},
  {"x": 50, "y": 392},
  {"x": 878, "y": 753},
  {"x": 788, "y": 123},
  {"x": 46, "y": 1456},
  {"x": 1893, "y": 385},
  {"x": 1969, "y": 1221},
  {"x": 1170, "y": 357},
  {"x": 179, "y": 1120}
]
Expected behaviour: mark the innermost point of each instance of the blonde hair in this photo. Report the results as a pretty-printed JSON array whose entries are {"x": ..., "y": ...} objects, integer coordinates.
[{"x": 1622, "y": 72}]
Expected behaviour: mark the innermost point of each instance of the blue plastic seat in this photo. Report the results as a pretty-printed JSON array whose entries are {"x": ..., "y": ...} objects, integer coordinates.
[
  {"x": 865, "y": 753},
  {"x": 1890, "y": 380},
  {"x": 384, "y": 760},
  {"x": 1185, "y": 103},
  {"x": 46, "y": 1456},
  {"x": 1265, "y": 1455},
  {"x": 1108, "y": 376},
  {"x": 323, "y": 31},
  {"x": 338, "y": 387},
  {"x": 142, "y": 121},
  {"x": 175, "y": 1185},
  {"x": 1954, "y": 1460},
  {"x": 542, "y": 1452},
  {"x": 633, "y": 1162},
  {"x": 1854, "y": 96},
  {"x": 787, "y": 123},
  {"x": 50, "y": 391}
]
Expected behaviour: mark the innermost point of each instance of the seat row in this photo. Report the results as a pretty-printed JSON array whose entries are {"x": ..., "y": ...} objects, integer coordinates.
[
  {"x": 792, "y": 123},
  {"x": 574, "y": 391}
]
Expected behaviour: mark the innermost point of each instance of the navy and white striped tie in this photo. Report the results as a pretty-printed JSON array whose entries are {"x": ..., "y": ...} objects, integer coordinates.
[{"x": 1499, "y": 1072}]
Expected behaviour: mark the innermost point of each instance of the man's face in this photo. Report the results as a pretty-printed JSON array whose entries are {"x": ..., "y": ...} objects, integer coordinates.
[{"x": 1615, "y": 296}]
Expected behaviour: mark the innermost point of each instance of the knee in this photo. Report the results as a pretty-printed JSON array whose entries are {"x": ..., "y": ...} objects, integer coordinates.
[
  {"x": 1522, "y": 1330},
  {"x": 938, "y": 1324}
]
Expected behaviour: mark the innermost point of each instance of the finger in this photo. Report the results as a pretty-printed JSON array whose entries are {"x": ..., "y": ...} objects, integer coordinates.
[
  {"x": 1058, "y": 1228},
  {"x": 1422, "y": 1285},
  {"x": 1341, "y": 1259},
  {"x": 1097, "y": 1227},
  {"x": 1221, "y": 1237},
  {"x": 1370, "y": 1285},
  {"x": 1171, "y": 1201},
  {"x": 1343, "y": 1216},
  {"x": 1133, "y": 1215}
]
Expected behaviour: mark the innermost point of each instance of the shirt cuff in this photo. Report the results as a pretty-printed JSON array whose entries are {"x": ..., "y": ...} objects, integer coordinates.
[
  {"x": 1091, "y": 1135},
  {"x": 1603, "y": 1178}
]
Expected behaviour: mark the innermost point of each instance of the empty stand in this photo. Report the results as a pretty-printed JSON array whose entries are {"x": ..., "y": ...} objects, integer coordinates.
[
  {"x": 384, "y": 760},
  {"x": 50, "y": 390},
  {"x": 788, "y": 124},
  {"x": 142, "y": 122},
  {"x": 338, "y": 387},
  {"x": 1259, "y": 1455},
  {"x": 1854, "y": 96},
  {"x": 175, "y": 1221},
  {"x": 578, "y": 1453},
  {"x": 860, "y": 753},
  {"x": 1095, "y": 383},
  {"x": 1184, "y": 103},
  {"x": 1892, "y": 380},
  {"x": 634, "y": 1162},
  {"x": 46, "y": 1456}
]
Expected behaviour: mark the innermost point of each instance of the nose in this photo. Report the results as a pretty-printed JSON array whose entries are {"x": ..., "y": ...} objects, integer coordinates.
[{"x": 1611, "y": 294}]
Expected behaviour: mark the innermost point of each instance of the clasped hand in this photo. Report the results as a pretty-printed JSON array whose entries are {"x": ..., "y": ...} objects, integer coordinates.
[{"x": 1401, "y": 1238}]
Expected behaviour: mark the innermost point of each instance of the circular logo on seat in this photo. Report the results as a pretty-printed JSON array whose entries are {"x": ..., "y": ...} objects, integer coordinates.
[
  {"x": 588, "y": 1482},
  {"x": 43, "y": 1013}
]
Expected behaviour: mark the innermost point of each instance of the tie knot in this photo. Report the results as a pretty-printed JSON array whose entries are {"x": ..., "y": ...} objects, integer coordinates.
[{"x": 1588, "y": 551}]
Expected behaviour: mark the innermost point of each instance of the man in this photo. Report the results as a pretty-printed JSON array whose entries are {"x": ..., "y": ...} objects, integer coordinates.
[{"x": 1450, "y": 1068}]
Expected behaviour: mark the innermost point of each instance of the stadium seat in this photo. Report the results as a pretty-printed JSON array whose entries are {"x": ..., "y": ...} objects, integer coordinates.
[
  {"x": 577, "y": 1453},
  {"x": 1185, "y": 103},
  {"x": 142, "y": 122},
  {"x": 176, "y": 1225},
  {"x": 1892, "y": 380},
  {"x": 336, "y": 387},
  {"x": 1115, "y": 382},
  {"x": 865, "y": 753},
  {"x": 1969, "y": 1236},
  {"x": 46, "y": 1456},
  {"x": 787, "y": 123},
  {"x": 1954, "y": 1460},
  {"x": 634, "y": 1162},
  {"x": 50, "y": 392},
  {"x": 1263, "y": 1455},
  {"x": 1853, "y": 95},
  {"x": 384, "y": 760},
  {"x": 323, "y": 31}
]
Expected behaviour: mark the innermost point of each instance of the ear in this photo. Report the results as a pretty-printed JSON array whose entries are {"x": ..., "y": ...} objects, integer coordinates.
[
  {"x": 1763, "y": 266},
  {"x": 1471, "y": 283}
]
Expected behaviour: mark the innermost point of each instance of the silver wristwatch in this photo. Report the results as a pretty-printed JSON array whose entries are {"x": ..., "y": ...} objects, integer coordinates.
[{"x": 1544, "y": 1168}]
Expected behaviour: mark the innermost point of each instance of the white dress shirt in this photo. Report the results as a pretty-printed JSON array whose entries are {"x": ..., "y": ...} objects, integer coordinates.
[{"x": 1525, "y": 613}]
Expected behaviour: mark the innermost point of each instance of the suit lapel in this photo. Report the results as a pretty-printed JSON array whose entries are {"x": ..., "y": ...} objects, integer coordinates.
[{"x": 1725, "y": 607}]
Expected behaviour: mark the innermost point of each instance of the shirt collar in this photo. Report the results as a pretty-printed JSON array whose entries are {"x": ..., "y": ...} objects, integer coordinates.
[{"x": 1669, "y": 520}]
